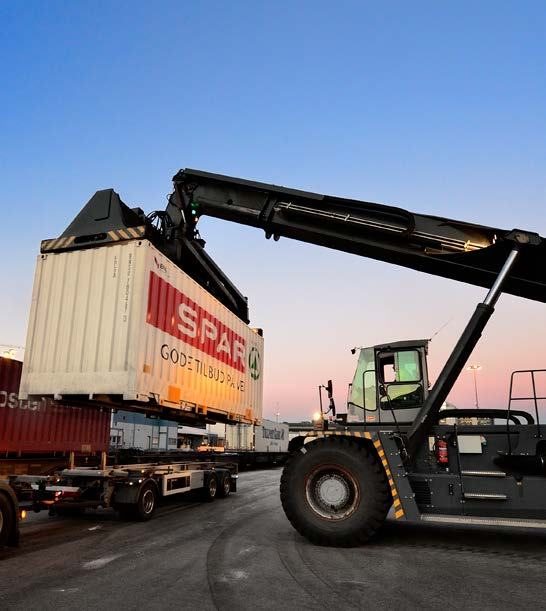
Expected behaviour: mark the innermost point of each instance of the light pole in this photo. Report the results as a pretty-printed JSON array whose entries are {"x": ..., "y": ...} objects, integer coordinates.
[{"x": 474, "y": 369}]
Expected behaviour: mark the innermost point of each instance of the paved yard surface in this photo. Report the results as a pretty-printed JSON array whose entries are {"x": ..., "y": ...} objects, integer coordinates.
[{"x": 241, "y": 553}]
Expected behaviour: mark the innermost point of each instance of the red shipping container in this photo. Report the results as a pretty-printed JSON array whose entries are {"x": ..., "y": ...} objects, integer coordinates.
[{"x": 38, "y": 427}]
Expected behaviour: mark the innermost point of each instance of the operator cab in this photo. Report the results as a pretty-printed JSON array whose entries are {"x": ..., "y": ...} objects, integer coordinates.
[{"x": 390, "y": 383}]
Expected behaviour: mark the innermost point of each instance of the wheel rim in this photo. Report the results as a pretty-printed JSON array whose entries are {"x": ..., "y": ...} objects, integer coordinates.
[
  {"x": 332, "y": 492},
  {"x": 227, "y": 485},
  {"x": 148, "y": 501},
  {"x": 1, "y": 520},
  {"x": 212, "y": 486}
]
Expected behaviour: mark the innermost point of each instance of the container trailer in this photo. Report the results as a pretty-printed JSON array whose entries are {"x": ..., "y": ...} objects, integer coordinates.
[
  {"x": 46, "y": 449},
  {"x": 132, "y": 490}
]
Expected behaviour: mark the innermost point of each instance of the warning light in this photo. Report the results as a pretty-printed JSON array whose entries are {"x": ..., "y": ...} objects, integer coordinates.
[
  {"x": 194, "y": 210},
  {"x": 23, "y": 514}
]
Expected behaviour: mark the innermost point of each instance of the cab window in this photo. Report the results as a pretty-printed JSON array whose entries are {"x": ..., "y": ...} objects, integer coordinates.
[
  {"x": 400, "y": 375},
  {"x": 402, "y": 366}
]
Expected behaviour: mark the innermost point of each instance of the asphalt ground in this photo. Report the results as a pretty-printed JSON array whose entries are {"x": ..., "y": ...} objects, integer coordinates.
[{"x": 241, "y": 553}]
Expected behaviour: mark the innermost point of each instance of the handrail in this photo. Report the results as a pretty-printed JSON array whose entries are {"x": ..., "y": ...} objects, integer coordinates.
[
  {"x": 534, "y": 398},
  {"x": 486, "y": 413}
]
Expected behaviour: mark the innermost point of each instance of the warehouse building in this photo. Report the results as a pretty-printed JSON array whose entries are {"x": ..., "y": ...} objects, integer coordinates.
[{"x": 133, "y": 430}]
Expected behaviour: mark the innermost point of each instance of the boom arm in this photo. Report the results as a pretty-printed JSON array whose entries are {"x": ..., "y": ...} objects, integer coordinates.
[
  {"x": 511, "y": 261},
  {"x": 444, "y": 247}
]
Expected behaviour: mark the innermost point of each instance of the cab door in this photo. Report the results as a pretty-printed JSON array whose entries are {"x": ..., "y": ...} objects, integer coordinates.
[{"x": 401, "y": 384}]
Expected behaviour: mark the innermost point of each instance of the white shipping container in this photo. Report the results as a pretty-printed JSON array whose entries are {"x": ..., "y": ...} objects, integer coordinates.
[
  {"x": 239, "y": 437},
  {"x": 123, "y": 320},
  {"x": 271, "y": 437}
]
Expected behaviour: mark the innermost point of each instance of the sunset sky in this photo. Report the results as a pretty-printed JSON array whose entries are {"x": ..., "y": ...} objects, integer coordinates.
[{"x": 434, "y": 107}]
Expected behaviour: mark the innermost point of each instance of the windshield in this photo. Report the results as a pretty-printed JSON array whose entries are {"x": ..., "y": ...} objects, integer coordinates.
[{"x": 358, "y": 399}]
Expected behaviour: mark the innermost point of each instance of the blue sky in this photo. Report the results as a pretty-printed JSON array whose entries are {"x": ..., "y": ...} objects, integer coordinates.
[{"x": 435, "y": 107}]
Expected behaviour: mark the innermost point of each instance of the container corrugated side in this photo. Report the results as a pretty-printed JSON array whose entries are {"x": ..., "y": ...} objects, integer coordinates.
[
  {"x": 271, "y": 437},
  {"x": 44, "y": 426},
  {"x": 124, "y": 321},
  {"x": 239, "y": 437}
]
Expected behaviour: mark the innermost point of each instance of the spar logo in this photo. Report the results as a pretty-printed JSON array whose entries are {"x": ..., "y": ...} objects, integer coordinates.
[
  {"x": 172, "y": 311},
  {"x": 254, "y": 363}
]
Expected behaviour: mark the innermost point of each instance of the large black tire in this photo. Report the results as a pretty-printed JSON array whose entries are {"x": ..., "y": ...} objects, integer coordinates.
[
  {"x": 335, "y": 492},
  {"x": 210, "y": 489},
  {"x": 146, "y": 503},
  {"x": 224, "y": 487},
  {"x": 7, "y": 520}
]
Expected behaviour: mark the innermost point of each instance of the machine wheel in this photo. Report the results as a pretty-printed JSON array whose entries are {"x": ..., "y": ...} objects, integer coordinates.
[
  {"x": 335, "y": 492},
  {"x": 225, "y": 486},
  {"x": 7, "y": 520},
  {"x": 146, "y": 503},
  {"x": 210, "y": 488}
]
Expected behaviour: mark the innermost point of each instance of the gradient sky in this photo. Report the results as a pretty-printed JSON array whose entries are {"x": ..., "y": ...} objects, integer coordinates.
[{"x": 435, "y": 107}]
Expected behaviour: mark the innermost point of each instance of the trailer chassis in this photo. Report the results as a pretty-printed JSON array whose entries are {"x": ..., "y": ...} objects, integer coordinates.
[{"x": 132, "y": 490}]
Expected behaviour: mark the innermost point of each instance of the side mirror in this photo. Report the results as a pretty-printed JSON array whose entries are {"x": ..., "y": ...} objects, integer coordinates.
[{"x": 329, "y": 389}]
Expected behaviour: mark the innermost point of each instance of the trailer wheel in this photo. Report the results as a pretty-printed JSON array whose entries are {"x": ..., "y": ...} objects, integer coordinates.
[
  {"x": 210, "y": 489},
  {"x": 7, "y": 520},
  {"x": 335, "y": 492},
  {"x": 146, "y": 503},
  {"x": 225, "y": 486}
]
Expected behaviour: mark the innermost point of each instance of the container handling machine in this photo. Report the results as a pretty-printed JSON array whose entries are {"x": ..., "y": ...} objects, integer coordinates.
[{"x": 390, "y": 448}]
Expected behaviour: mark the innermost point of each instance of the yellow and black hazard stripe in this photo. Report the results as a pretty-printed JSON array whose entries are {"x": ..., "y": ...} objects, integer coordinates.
[
  {"x": 339, "y": 433},
  {"x": 398, "y": 511},
  {"x": 114, "y": 235},
  {"x": 129, "y": 233},
  {"x": 57, "y": 243}
]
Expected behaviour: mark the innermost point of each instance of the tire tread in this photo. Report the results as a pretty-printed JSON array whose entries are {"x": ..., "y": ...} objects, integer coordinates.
[{"x": 381, "y": 501}]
